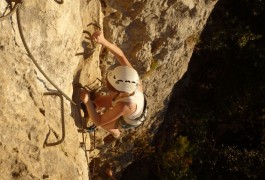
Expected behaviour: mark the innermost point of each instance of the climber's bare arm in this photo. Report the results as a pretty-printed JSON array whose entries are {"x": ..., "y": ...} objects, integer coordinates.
[
  {"x": 85, "y": 97},
  {"x": 99, "y": 38},
  {"x": 115, "y": 50},
  {"x": 104, "y": 101},
  {"x": 108, "y": 119}
]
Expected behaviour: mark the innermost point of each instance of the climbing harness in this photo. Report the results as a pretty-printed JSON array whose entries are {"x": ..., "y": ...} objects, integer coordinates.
[
  {"x": 89, "y": 129},
  {"x": 56, "y": 93},
  {"x": 82, "y": 144},
  {"x": 92, "y": 128},
  {"x": 12, "y": 10},
  {"x": 142, "y": 117}
]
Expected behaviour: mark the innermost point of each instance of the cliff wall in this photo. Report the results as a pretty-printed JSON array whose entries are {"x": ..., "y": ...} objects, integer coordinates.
[{"x": 157, "y": 36}]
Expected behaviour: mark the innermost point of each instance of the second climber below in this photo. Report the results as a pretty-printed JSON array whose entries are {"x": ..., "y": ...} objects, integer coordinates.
[{"x": 125, "y": 101}]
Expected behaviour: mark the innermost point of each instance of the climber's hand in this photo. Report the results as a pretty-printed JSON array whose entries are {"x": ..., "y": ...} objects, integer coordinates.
[
  {"x": 98, "y": 37},
  {"x": 84, "y": 96}
]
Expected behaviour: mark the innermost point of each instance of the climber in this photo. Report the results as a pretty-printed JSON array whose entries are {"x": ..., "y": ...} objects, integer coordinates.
[{"x": 125, "y": 101}]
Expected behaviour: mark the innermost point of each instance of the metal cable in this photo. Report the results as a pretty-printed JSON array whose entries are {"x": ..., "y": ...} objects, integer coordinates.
[
  {"x": 34, "y": 60},
  {"x": 59, "y": 92},
  {"x": 56, "y": 93},
  {"x": 12, "y": 11}
]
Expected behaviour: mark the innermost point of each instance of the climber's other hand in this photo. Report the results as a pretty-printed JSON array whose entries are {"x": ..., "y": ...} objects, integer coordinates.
[
  {"x": 98, "y": 37},
  {"x": 84, "y": 96}
]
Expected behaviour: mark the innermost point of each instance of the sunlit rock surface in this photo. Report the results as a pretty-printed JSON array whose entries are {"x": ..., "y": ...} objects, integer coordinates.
[{"x": 158, "y": 37}]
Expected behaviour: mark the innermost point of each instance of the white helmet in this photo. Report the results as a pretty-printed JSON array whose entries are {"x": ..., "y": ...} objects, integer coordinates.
[{"x": 123, "y": 78}]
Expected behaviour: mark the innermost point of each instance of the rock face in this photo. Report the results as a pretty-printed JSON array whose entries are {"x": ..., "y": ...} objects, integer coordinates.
[
  {"x": 54, "y": 34},
  {"x": 157, "y": 36}
]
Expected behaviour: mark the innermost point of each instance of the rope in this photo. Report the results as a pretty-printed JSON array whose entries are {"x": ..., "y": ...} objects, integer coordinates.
[
  {"x": 56, "y": 93},
  {"x": 34, "y": 60},
  {"x": 17, "y": 4}
]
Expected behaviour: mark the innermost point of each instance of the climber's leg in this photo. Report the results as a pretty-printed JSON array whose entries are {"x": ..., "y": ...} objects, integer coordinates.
[
  {"x": 114, "y": 132},
  {"x": 112, "y": 128}
]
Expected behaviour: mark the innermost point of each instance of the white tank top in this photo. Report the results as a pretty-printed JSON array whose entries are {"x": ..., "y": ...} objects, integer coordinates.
[{"x": 138, "y": 99}]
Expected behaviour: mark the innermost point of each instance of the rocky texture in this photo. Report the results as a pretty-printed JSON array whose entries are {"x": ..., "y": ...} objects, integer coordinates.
[
  {"x": 54, "y": 34},
  {"x": 157, "y": 36}
]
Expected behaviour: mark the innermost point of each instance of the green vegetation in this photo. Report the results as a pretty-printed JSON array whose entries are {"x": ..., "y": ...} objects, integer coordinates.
[
  {"x": 179, "y": 152},
  {"x": 154, "y": 65}
]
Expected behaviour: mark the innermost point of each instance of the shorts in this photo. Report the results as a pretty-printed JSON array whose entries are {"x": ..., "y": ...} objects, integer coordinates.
[{"x": 124, "y": 125}]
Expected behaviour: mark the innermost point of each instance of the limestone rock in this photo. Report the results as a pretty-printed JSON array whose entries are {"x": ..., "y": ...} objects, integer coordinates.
[
  {"x": 158, "y": 37},
  {"x": 53, "y": 33}
]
